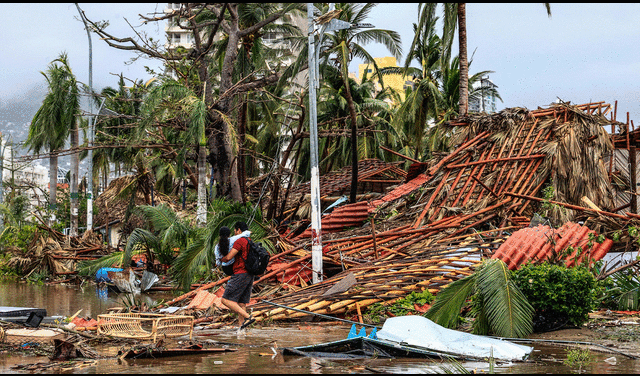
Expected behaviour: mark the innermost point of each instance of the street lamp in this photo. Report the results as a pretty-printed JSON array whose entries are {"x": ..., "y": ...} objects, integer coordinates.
[{"x": 316, "y": 229}]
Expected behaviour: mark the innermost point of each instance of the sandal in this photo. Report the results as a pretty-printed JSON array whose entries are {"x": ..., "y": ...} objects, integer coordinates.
[{"x": 247, "y": 322}]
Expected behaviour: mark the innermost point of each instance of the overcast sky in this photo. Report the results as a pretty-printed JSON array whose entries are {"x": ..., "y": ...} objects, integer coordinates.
[{"x": 583, "y": 53}]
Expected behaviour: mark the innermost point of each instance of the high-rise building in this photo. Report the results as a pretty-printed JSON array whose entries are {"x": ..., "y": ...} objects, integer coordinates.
[
  {"x": 486, "y": 100},
  {"x": 180, "y": 37}
]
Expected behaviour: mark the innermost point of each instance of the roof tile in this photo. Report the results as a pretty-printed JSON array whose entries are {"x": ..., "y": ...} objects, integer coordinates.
[{"x": 540, "y": 242}]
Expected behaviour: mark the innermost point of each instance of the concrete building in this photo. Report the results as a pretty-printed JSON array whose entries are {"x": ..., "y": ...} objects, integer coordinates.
[
  {"x": 486, "y": 101},
  {"x": 395, "y": 81},
  {"x": 31, "y": 179},
  {"x": 179, "y": 37}
]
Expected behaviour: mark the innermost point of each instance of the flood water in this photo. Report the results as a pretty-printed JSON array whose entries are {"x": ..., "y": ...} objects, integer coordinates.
[{"x": 253, "y": 350}]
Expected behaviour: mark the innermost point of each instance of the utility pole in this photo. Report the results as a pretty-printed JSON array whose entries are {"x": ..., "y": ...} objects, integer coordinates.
[
  {"x": 91, "y": 121},
  {"x": 314, "y": 84},
  {"x": 2, "y": 147},
  {"x": 316, "y": 230}
]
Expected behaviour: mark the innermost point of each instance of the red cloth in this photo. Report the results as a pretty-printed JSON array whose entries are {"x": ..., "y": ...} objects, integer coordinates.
[
  {"x": 82, "y": 323},
  {"x": 242, "y": 245}
]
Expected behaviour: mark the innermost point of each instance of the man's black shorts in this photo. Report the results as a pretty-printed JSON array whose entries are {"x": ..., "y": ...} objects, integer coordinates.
[{"x": 238, "y": 288}]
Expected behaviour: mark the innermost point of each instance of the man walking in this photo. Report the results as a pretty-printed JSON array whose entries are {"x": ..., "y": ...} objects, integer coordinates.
[{"x": 237, "y": 293}]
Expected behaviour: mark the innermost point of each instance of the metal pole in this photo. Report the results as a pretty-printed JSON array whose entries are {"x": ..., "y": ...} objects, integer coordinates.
[
  {"x": 316, "y": 230},
  {"x": 91, "y": 121},
  {"x": 321, "y": 315},
  {"x": 2, "y": 147}
]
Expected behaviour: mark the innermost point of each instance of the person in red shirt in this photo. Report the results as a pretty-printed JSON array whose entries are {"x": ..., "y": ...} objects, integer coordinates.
[{"x": 237, "y": 293}]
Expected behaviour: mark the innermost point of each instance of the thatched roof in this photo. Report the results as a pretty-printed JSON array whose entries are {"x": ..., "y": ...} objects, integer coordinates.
[
  {"x": 497, "y": 156},
  {"x": 112, "y": 205}
]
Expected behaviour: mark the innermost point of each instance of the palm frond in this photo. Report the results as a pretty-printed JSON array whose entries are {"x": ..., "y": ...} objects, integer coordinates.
[
  {"x": 508, "y": 312},
  {"x": 139, "y": 239},
  {"x": 161, "y": 217},
  {"x": 191, "y": 260},
  {"x": 445, "y": 310}
]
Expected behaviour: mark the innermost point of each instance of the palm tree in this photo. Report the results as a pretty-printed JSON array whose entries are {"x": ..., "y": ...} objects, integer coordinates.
[
  {"x": 373, "y": 113},
  {"x": 194, "y": 110},
  {"x": 497, "y": 303},
  {"x": 435, "y": 97},
  {"x": 464, "y": 66},
  {"x": 54, "y": 120},
  {"x": 341, "y": 46},
  {"x": 458, "y": 11},
  {"x": 258, "y": 57},
  {"x": 423, "y": 101},
  {"x": 123, "y": 106}
]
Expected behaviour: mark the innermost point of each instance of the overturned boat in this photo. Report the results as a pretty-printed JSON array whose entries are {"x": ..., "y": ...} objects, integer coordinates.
[{"x": 415, "y": 337}]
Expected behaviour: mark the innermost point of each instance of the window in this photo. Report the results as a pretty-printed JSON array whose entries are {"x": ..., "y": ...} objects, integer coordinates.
[
  {"x": 270, "y": 37},
  {"x": 175, "y": 38}
]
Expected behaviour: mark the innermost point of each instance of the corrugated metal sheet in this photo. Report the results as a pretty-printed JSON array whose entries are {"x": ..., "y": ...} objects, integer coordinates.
[
  {"x": 350, "y": 215},
  {"x": 621, "y": 166},
  {"x": 374, "y": 175},
  {"x": 541, "y": 242}
]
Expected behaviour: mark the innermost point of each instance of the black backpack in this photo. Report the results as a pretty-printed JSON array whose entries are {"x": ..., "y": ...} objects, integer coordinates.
[
  {"x": 227, "y": 269},
  {"x": 257, "y": 258}
]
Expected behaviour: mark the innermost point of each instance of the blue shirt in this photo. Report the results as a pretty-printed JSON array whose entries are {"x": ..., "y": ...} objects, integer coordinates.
[{"x": 244, "y": 234}]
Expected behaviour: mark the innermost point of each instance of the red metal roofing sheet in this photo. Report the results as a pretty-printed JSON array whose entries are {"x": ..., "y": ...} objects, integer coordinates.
[
  {"x": 350, "y": 215},
  {"x": 539, "y": 243}
]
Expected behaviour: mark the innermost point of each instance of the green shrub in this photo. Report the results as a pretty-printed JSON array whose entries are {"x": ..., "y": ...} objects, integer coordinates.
[
  {"x": 620, "y": 290},
  {"x": 17, "y": 237},
  {"x": 558, "y": 290},
  {"x": 578, "y": 358},
  {"x": 405, "y": 305},
  {"x": 376, "y": 312}
]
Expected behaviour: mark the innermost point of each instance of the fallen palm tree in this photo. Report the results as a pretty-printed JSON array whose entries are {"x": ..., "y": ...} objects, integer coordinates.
[{"x": 54, "y": 253}]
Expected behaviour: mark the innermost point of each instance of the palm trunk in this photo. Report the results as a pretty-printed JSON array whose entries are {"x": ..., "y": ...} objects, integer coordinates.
[
  {"x": 201, "y": 217},
  {"x": 242, "y": 129},
  {"x": 464, "y": 66},
  {"x": 53, "y": 185},
  {"x": 354, "y": 144},
  {"x": 227, "y": 164},
  {"x": 73, "y": 187}
]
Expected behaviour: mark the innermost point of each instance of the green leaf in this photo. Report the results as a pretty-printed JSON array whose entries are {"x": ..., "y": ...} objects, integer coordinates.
[
  {"x": 508, "y": 312},
  {"x": 445, "y": 310}
]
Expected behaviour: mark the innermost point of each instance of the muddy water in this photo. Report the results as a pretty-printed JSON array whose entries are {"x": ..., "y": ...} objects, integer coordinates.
[
  {"x": 253, "y": 350},
  {"x": 65, "y": 300}
]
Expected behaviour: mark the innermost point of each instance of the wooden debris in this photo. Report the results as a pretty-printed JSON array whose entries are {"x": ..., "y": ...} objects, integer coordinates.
[{"x": 448, "y": 214}]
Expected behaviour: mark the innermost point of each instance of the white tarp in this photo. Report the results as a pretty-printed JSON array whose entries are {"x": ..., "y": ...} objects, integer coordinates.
[{"x": 420, "y": 331}]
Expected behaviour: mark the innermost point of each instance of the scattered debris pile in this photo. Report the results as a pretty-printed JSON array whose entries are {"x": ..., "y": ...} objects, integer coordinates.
[
  {"x": 430, "y": 226},
  {"x": 435, "y": 227},
  {"x": 55, "y": 253}
]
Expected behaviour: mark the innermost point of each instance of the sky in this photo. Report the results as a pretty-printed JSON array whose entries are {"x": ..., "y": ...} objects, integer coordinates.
[{"x": 583, "y": 53}]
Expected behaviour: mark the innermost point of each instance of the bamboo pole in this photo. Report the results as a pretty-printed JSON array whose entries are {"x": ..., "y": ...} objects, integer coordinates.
[
  {"x": 489, "y": 161},
  {"x": 632, "y": 175},
  {"x": 569, "y": 206},
  {"x": 431, "y": 199},
  {"x": 473, "y": 171},
  {"x": 452, "y": 189}
]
